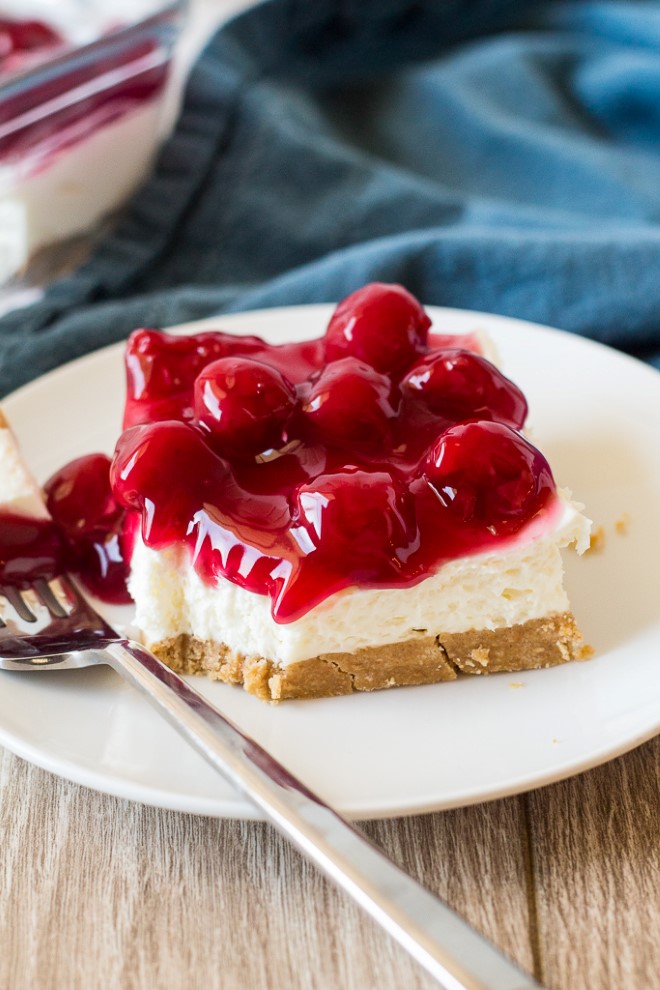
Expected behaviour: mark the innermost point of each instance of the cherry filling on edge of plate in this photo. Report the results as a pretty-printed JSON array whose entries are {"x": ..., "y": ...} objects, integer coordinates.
[
  {"x": 29, "y": 549},
  {"x": 367, "y": 457},
  {"x": 87, "y": 534},
  {"x": 92, "y": 526}
]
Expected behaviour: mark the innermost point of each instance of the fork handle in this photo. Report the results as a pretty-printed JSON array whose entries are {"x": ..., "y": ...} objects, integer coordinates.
[{"x": 445, "y": 945}]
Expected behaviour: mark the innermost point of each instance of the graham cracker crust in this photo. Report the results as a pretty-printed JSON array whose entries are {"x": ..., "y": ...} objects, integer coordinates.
[{"x": 531, "y": 645}]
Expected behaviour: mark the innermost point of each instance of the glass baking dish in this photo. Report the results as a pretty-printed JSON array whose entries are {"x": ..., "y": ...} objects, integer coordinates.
[{"x": 79, "y": 126}]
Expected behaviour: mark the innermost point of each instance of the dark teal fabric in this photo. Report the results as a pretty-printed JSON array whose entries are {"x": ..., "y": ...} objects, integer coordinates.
[{"x": 492, "y": 155}]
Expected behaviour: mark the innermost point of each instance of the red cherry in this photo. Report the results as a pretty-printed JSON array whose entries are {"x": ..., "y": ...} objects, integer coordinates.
[
  {"x": 244, "y": 405},
  {"x": 381, "y": 324},
  {"x": 167, "y": 471},
  {"x": 351, "y": 404},
  {"x": 80, "y": 500},
  {"x": 460, "y": 385},
  {"x": 161, "y": 369},
  {"x": 365, "y": 514},
  {"x": 487, "y": 474}
]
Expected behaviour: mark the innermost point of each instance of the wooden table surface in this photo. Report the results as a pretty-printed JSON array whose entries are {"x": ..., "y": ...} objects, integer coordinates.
[{"x": 97, "y": 892}]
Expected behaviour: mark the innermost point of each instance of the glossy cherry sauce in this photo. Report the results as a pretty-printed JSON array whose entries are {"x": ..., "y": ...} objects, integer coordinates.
[
  {"x": 87, "y": 534},
  {"x": 367, "y": 457},
  {"x": 29, "y": 549},
  {"x": 91, "y": 525}
]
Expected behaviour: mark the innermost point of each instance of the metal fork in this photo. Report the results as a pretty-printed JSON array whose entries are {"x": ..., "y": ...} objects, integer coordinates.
[{"x": 52, "y": 625}]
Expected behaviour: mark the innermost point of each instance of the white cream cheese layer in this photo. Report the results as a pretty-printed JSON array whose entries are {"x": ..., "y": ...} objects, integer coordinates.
[
  {"x": 19, "y": 491},
  {"x": 47, "y": 197},
  {"x": 484, "y": 591}
]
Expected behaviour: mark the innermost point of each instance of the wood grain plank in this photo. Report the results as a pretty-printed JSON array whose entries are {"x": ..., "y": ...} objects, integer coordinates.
[
  {"x": 99, "y": 892},
  {"x": 596, "y": 860}
]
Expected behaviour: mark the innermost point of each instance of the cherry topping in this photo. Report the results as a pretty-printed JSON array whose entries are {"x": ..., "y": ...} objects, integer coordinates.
[
  {"x": 78, "y": 496},
  {"x": 161, "y": 369},
  {"x": 29, "y": 549},
  {"x": 351, "y": 404},
  {"x": 24, "y": 44},
  {"x": 82, "y": 505},
  {"x": 244, "y": 405},
  {"x": 25, "y": 36},
  {"x": 384, "y": 483},
  {"x": 365, "y": 517},
  {"x": 485, "y": 473},
  {"x": 459, "y": 385},
  {"x": 383, "y": 325},
  {"x": 167, "y": 471}
]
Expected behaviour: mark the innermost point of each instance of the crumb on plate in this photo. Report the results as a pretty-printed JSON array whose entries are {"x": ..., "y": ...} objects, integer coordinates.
[
  {"x": 622, "y": 523},
  {"x": 597, "y": 539}
]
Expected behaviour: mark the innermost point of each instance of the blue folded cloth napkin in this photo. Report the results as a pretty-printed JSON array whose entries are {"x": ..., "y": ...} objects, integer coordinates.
[{"x": 488, "y": 154}]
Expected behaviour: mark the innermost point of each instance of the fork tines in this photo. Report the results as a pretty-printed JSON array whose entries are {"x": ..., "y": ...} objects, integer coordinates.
[
  {"x": 48, "y": 598},
  {"x": 28, "y": 604}
]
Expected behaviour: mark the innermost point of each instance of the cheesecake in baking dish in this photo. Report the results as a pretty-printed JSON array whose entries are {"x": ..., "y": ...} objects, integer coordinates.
[
  {"x": 354, "y": 512},
  {"x": 81, "y": 109}
]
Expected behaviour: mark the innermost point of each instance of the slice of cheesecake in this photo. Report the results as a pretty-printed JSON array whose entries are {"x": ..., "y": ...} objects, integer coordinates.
[
  {"x": 79, "y": 133},
  {"x": 352, "y": 513},
  {"x": 481, "y": 614}
]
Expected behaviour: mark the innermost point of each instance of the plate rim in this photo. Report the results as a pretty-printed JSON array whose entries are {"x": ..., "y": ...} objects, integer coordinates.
[{"x": 239, "y": 808}]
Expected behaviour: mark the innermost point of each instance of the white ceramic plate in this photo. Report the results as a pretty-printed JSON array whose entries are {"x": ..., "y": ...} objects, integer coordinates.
[{"x": 596, "y": 415}]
